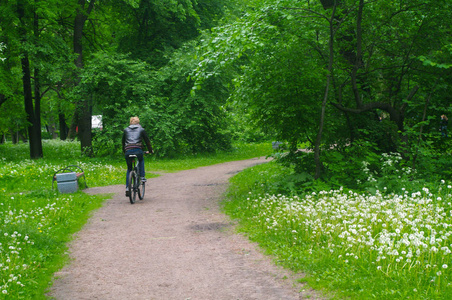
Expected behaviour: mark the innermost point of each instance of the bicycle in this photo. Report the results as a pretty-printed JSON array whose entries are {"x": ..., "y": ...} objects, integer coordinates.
[{"x": 136, "y": 186}]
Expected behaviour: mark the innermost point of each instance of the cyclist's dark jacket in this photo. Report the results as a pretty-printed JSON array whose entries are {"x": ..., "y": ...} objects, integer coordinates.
[{"x": 133, "y": 137}]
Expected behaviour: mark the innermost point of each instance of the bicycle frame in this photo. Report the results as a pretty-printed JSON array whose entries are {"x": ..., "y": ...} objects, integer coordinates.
[{"x": 135, "y": 185}]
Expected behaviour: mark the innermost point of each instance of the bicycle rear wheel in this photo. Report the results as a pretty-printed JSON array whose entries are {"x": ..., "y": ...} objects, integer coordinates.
[
  {"x": 141, "y": 190},
  {"x": 133, "y": 181}
]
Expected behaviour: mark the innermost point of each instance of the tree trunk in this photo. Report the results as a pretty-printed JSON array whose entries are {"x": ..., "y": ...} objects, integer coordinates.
[
  {"x": 82, "y": 114},
  {"x": 34, "y": 138},
  {"x": 37, "y": 87},
  {"x": 63, "y": 126},
  {"x": 34, "y": 128},
  {"x": 318, "y": 141}
]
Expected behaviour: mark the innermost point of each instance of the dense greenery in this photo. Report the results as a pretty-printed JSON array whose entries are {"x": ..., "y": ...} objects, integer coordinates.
[
  {"x": 338, "y": 76},
  {"x": 61, "y": 62},
  {"x": 352, "y": 89},
  {"x": 202, "y": 74},
  {"x": 36, "y": 222}
]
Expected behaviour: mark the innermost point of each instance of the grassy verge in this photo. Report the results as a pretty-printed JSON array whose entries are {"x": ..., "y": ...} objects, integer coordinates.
[
  {"x": 37, "y": 222},
  {"x": 361, "y": 246},
  {"x": 239, "y": 152}
]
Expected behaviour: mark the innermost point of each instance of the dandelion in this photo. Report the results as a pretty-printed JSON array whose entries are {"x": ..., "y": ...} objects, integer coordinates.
[{"x": 444, "y": 266}]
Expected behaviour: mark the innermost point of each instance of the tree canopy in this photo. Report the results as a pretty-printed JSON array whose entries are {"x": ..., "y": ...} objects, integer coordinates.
[
  {"x": 355, "y": 76},
  {"x": 339, "y": 75}
]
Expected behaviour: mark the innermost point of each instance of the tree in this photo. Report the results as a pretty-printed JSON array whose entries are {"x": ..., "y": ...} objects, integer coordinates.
[
  {"x": 83, "y": 107},
  {"x": 26, "y": 13},
  {"x": 33, "y": 44},
  {"x": 176, "y": 122},
  {"x": 149, "y": 30},
  {"x": 369, "y": 50},
  {"x": 11, "y": 97}
]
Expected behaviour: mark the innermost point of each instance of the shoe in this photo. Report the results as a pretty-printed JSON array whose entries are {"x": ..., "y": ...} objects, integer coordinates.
[
  {"x": 143, "y": 179},
  {"x": 127, "y": 192}
]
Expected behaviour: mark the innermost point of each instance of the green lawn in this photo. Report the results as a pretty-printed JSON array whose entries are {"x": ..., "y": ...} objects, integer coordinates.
[{"x": 361, "y": 246}]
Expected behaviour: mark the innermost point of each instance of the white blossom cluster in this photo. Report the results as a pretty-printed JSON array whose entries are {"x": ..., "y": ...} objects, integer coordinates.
[
  {"x": 390, "y": 165},
  {"x": 15, "y": 246},
  {"x": 393, "y": 233},
  {"x": 11, "y": 263}
]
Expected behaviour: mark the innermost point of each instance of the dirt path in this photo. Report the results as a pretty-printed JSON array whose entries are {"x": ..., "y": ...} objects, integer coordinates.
[{"x": 175, "y": 244}]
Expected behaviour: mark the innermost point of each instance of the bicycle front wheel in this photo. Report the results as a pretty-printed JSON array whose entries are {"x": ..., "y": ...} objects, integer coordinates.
[
  {"x": 141, "y": 190},
  {"x": 133, "y": 182}
]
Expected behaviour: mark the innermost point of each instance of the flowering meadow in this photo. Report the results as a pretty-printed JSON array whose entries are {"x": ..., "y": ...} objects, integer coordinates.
[
  {"x": 359, "y": 245},
  {"x": 36, "y": 222}
]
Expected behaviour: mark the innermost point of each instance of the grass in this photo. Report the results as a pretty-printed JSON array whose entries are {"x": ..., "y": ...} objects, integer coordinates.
[
  {"x": 240, "y": 152},
  {"x": 37, "y": 222},
  {"x": 358, "y": 245}
]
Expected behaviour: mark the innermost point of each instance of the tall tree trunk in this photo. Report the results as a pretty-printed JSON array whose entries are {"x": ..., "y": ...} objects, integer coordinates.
[
  {"x": 34, "y": 139},
  {"x": 34, "y": 128},
  {"x": 37, "y": 113},
  {"x": 82, "y": 114},
  {"x": 318, "y": 163},
  {"x": 37, "y": 93},
  {"x": 358, "y": 63}
]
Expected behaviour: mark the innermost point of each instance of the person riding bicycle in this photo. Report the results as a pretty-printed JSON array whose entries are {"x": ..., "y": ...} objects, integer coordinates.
[{"x": 132, "y": 143}]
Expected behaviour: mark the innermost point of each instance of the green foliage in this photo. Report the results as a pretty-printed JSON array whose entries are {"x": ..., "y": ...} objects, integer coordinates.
[
  {"x": 190, "y": 161},
  {"x": 151, "y": 29},
  {"x": 201, "y": 119},
  {"x": 363, "y": 166},
  {"x": 277, "y": 53},
  {"x": 176, "y": 121}
]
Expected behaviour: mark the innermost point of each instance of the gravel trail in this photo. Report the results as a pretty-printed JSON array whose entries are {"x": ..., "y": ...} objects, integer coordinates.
[{"x": 174, "y": 244}]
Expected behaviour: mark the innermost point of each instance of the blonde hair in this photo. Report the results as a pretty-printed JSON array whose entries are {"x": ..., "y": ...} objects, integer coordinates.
[{"x": 134, "y": 121}]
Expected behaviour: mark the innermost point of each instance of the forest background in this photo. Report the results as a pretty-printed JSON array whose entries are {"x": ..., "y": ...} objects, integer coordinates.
[
  {"x": 359, "y": 78},
  {"x": 347, "y": 79}
]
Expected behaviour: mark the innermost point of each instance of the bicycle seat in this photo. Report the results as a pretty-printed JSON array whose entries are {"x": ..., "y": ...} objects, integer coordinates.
[{"x": 132, "y": 155}]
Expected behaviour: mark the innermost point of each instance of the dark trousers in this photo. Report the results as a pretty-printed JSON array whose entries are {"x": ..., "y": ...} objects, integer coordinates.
[{"x": 139, "y": 154}]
